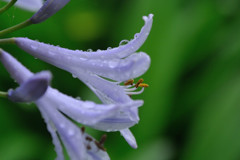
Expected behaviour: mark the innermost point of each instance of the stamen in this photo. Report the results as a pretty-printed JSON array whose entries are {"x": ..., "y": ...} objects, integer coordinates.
[
  {"x": 103, "y": 139},
  {"x": 89, "y": 139},
  {"x": 83, "y": 129},
  {"x": 129, "y": 82},
  {"x": 143, "y": 85},
  {"x": 88, "y": 147},
  {"x": 130, "y": 89},
  {"x": 139, "y": 81},
  {"x": 101, "y": 142},
  {"x": 135, "y": 93}
]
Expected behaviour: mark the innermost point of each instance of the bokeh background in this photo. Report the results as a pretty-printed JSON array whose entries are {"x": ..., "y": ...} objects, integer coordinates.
[{"x": 192, "y": 106}]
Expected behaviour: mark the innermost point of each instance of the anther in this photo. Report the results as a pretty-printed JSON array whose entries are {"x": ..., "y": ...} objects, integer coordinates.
[
  {"x": 88, "y": 147},
  {"x": 100, "y": 146},
  {"x": 101, "y": 142},
  {"x": 139, "y": 82},
  {"x": 89, "y": 138},
  {"x": 103, "y": 139},
  {"x": 129, "y": 82},
  {"x": 143, "y": 85},
  {"x": 83, "y": 129}
]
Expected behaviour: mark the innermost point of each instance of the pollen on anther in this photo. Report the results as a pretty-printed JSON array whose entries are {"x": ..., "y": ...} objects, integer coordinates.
[
  {"x": 129, "y": 82},
  {"x": 143, "y": 85},
  {"x": 139, "y": 82}
]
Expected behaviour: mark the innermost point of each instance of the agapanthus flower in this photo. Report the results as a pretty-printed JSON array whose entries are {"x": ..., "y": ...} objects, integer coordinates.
[
  {"x": 30, "y": 5},
  {"x": 32, "y": 89},
  {"x": 53, "y": 104},
  {"x": 49, "y": 8},
  {"x": 96, "y": 68}
]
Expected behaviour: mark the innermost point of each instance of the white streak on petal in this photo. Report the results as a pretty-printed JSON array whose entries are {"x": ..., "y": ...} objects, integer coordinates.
[{"x": 127, "y": 134}]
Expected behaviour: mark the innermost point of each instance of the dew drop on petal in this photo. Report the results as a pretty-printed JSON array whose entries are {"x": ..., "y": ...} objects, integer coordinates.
[
  {"x": 123, "y": 42},
  {"x": 89, "y": 50},
  {"x": 74, "y": 76},
  {"x": 71, "y": 132},
  {"x": 136, "y": 35},
  {"x": 34, "y": 47},
  {"x": 109, "y": 48},
  {"x": 78, "y": 98},
  {"x": 113, "y": 64}
]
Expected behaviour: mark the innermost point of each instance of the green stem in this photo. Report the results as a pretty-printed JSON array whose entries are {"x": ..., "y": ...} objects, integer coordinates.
[
  {"x": 7, "y": 6},
  {"x": 3, "y": 94},
  {"x": 7, "y": 41},
  {"x": 16, "y": 27}
]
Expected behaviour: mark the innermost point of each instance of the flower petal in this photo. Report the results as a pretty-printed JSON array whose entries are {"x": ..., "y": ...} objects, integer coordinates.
[
  {"x": 15, "y": 68},
  {"x": 30, "y": 5},
  {"x": 32, "y": 89},
  {"x": 75, "y": 140},
  {"x": 70, "y": 134},
  {"x": 129, "y": 137},
  {"x": 120, "y": 120},
  {"x": 49, "y": 8},
  {"x": 41, "y": 50},
  {"x": 87, "y": 113},
  {"x": 52, "y": 130}
]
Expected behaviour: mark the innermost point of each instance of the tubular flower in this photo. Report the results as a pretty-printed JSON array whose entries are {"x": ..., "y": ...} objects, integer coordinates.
[
  {"x": 53, "y": 104},
  {"x": 32, "y": 89},
  {"x": 30, "y": 5},
  {"x": 95, "y": 68},
  {"x": 49, "y": 8}
]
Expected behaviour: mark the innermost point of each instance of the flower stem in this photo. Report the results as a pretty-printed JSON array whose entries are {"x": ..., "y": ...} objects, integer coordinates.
[
  {"x": 3, "y": 94},
  {"x": 7, "y": 6},
  {"x": 16, "y": 27},
  {"x": 7, "y": 41}
]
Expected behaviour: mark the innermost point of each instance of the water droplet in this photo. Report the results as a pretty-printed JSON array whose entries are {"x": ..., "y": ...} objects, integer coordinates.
[
  {"x": 71, "y": 132},
  {"x": 34, "y": 47},
  {"x": 74, "y": 76},
  {"x": 99, "y": 50},
  {"x": 136, "y": 35},
  {"x": 113, "y": 64},
  {"x": 89, "y": 50},
  {"x": 78, "y": 98},
  {"x": 123, "y": 42},
  {"x": 51, "y": 53},
  {"x": 109, "y": 48}
]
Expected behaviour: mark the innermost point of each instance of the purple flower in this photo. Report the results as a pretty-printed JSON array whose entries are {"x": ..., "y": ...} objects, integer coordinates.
[
  {"x": 32, "y": 89},
  {"x": 49, "y": 8},
  {"x": 95, "y": 68},
  {"x": 30, "y": 5},
  {"x": 52, "y": 104}
]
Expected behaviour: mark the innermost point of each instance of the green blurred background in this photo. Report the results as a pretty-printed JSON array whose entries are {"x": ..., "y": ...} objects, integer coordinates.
[{"x": 192, "y": 106}]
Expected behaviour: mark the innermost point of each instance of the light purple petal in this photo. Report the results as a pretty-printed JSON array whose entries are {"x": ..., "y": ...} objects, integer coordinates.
[
  {"x": 74, "y": 140},
  {"x": 40, "y": 50},
  {"x": 120, "y": 120},
  {"x": 32, "y": 89},
  {"x": 52, "y": 130},
  {"x": 17, "y": 71},
  {"x": 85, "y": 112},
  {"x": 129, "y": 137},
  {"x": 49, "y": 8},
  {"x": 70, "y": 134},
  {"x": 30, "y": 5}
]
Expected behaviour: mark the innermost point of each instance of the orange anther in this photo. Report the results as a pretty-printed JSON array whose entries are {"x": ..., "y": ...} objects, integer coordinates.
[
  {"x": 128, "y": 82},
  {"x": 139, "y": 81},
  {"x": 143, "y": 85}
]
